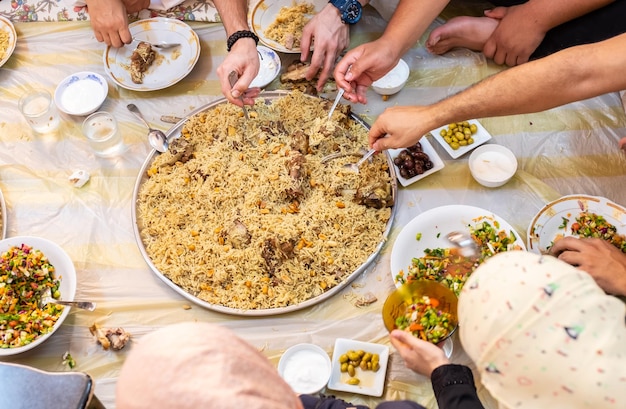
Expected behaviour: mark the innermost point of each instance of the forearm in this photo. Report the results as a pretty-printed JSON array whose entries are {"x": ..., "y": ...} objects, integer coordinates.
[
  {"x": 570, "y": 75},
  {"x": 409, "y": 22},
  {"x": 234, "y": 14},
  {"x": 454, "y": 387},
  {"x": 548, "y": 14}
]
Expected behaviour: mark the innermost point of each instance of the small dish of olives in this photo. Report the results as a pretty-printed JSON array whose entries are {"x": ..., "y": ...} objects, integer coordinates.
[
  {"x": 458, "y": 138},
  {"x": 415, "y": 162},
  {"x": 359, "y": 367}
]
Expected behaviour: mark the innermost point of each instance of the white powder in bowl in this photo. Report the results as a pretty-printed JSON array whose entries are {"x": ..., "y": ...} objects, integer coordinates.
[{"x": 397, "y": 76}]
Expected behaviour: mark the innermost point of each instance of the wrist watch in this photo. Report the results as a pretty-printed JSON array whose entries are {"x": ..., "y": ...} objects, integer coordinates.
[{"x": 351, "y": 10}]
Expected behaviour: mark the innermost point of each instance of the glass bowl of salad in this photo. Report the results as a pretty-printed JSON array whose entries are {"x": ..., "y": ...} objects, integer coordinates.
[
  {"x": 427, "y": 309},
  {"x": 28, "y": 266}
]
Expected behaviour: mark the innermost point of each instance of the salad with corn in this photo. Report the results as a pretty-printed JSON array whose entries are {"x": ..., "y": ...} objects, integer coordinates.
[{"x": 24, "y": 274}]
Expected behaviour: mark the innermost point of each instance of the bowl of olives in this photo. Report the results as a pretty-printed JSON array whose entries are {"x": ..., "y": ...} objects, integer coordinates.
[{"x": 415, "y": 162}]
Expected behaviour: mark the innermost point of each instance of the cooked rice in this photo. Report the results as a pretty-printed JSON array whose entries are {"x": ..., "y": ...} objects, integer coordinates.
[
  {"x": 4, "y": 43},
  {"x": 238, "y": 172},
  {"x": 290, "y": 21}
]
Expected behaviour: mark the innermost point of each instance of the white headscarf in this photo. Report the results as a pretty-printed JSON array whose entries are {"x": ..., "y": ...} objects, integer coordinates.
[
  {"x": 543, "y": 334},
  {"x": 200, "y": 365}
]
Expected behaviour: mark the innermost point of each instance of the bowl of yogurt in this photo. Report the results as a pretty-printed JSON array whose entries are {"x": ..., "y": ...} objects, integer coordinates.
[
  {"x": 81, "y": 93},
  {"x": 492, "y": 165},
  {"x": 393, "y": 81},
  {"x": 269, "y": 67},
  {"x": 306, "y": 368}
]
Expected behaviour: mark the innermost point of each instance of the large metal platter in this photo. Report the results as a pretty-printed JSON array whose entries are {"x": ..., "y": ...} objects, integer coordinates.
[{"x": 174, "y": 133}]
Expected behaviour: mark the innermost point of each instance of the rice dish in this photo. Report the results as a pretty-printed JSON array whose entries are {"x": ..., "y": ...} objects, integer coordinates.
[
  {"x": 243, "y": 214},
  {"x": 287, "y": 28}
]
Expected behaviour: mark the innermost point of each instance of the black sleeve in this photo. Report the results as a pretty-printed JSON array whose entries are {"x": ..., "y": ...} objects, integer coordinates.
[{"x": 454, "y": 387}]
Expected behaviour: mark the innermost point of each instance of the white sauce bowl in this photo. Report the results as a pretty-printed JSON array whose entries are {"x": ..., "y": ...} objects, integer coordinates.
[
  {"x": 492, "y": 165},
  {"x": 81, "y": 93},
  {"x": 393, "y": 81},
  {"x": 306, "y": 368}
]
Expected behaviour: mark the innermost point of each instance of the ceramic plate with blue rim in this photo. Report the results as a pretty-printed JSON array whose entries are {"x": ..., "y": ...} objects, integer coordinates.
[
  {"x": 7, "y": 28},
  {"x": 269, "y": 67},
  {"x": 81, "y": 93}
]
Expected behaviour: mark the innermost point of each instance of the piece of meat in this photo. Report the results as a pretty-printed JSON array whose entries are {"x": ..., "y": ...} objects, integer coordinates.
[
  {"x": 290, "y": 40},
  {"x": 376, "y": 195},
  {"x": 300, "y": 142},
  {"x": 110, "y": 338},
  {"x": 181, "y": 151},
  {"x": 295, "y": 168},
  {"x": 275, "y": 252},
  {"x": 238, "y": 235},
  {"x": 140, "y": 60}
]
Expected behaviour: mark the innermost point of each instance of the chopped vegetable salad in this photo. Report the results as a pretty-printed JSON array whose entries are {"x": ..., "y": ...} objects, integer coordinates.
[
  {"x": 425, "y": 320},
  {"x": 594, "y": 225},
  {"x": 24, "y": 274}
]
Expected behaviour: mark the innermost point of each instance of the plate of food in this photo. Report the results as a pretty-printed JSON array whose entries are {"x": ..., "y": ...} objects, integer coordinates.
[
  {"x": 279, "y": 23},
  {"x": 141, "y": 67},
  {"x": 227, "y": 218},
  {"x": 416, "y": 162},
  {"x": 368, "y": 362},
  {"x": 421, "y": 250},
  {"x": 35, "y": 264},
  {"x": 459, "y": 138},
  {"x": 8, "y": 40},
  {"x": 578, "y": 216}
]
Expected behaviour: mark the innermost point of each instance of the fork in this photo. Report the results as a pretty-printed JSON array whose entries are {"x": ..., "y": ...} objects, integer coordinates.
[
  {"x": 161, "y": 44},
  {"x": 46, "y": 298}
]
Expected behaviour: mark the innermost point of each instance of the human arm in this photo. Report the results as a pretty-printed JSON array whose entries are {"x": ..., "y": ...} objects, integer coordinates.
[
  {"x": 109, "y": 19},
  {"x": 523, "y": 27},
  {"x": 369, "y": 62},
  {"x": 531, "y": 87},
  {"x": 242, "y": 58},
  {"x": 602, "y": 260},
  {"x": 453, "y": 384},
  {"x": 330, "y": 35}
]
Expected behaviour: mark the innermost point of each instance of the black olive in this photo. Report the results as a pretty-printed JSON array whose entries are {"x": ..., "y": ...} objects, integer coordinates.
[{"x": 428, "y": 165}]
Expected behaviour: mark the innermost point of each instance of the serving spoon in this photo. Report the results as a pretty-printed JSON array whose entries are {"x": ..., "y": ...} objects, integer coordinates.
[
  {"x": 466, "y": 244},
  {"x": 46, "y": 298},
  {"x": 355, "y": 166},
  {"x": 161, "y": 44},
  {"x": 157, "y": 138}
]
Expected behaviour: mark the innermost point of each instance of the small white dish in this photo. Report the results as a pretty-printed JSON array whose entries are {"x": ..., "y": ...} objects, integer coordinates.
[
  {"x": 268, "y": 69},
  {"x": 65, "y": 271},
  {"x": 481, "y": 136},
  {"x": 428, "y": 149},
  {"x": 305, "y": 367},
  {"x": 371, "y": 383},
  {"x": 81, "y": 93},
  {"x": 492, "y": 165},
  {"x": 393, "y": 81}
]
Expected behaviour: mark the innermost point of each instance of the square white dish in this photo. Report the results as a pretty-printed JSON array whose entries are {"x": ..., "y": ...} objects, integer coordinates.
[
  {"x": 432, "y": 154},
  {"x": 372, "y": 383},
  {"x": 481, "y": 136}
]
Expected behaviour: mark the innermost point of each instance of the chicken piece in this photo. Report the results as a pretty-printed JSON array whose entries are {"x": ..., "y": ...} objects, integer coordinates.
[
  {"x": 181, "y": 150},
  {"x": 300, "y": 142},
  {"x": 290, "y": 40},
  {"x": 295, "y": 168},
  {"x": 275, "y": 252},
  {"x": 110, "y": 338},
  {"x": 237, "y": 234},
  {"x": 140, "y": 60}
]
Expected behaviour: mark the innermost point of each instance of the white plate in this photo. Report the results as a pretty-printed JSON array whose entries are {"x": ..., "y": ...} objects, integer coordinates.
[
  {"x": 434, "y": 158},
  {"x": 7, "y": 26},
  {"x": 64, "y": 268},
  {"x": 169, "y": 67},
  {"x": 548, "y": 223},
  {"x": 269, "y": 67},
  {"x": 372, "y": 383},
  {"x": 481, "y": 136},
  {"x": 433, "y": 225},
  {"x": 264, "y": 12}
]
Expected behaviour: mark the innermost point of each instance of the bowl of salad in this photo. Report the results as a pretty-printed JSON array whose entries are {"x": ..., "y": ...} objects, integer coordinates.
[
  {"x": 427, "y": 309},
  {"x": 28, "y": 266}
]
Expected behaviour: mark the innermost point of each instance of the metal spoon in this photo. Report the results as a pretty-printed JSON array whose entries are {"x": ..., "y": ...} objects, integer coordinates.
[
  {"x": 161, "y": 44},
  {"x": 465, "y": 242},
  {"x": 232, "y": 79},
  {"x": 355, "y": 166},
  {"x": 46, "y": 298},
  {"x": 157, "y": 138}
]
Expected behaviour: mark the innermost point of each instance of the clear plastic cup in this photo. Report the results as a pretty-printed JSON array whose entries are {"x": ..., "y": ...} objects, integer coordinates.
[
  {"x": 103, "y": 134},
  {"x": 37, "y": 106}
]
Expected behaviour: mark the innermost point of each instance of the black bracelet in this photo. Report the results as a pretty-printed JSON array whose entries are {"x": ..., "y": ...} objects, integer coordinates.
[{"x": 239, "y": 35}]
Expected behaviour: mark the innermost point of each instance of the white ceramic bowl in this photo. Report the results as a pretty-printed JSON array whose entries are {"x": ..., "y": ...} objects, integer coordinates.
[
  {"x": 306, "y": 368},
  {"x": 64, "y": 268},
  {"x": 269, "y": 67},
  {"x": 492, "y": 165},
  {"x": 393, "y": 81},
  {"x": 81, "y": 93}
]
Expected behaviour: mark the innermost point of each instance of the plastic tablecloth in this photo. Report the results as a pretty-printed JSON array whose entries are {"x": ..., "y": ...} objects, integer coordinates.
[{"x": 567, "y": 150}]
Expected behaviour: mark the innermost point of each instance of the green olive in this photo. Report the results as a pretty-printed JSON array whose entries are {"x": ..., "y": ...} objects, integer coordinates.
[
  {"x": 455, "y": 145},
  {"x": 463, "y": 142},
  {"x": 470, "y": 141},
  {"x": 343, "y": 358},
  {"x": 344, "y": 367},
  {"x": 351, "y": 370},
  {"x": 443, "y": 132},
  {"x": 353, "y": 381},
  {"x": 473, "y": 128}
]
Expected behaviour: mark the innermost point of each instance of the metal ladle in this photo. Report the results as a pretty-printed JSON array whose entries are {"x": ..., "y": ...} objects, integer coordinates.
[{"x": 157, "y": 138}]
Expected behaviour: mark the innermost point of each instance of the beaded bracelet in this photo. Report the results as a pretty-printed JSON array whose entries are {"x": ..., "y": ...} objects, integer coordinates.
[{"x": 239, "y": 35}]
